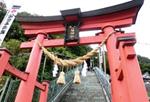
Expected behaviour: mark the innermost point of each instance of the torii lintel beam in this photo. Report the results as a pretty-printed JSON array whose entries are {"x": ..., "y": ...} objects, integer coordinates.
[
  {"x": 60, "y": 42},
  {"x": 120, "y": 15},
  {"x": 83, "y": 41}
]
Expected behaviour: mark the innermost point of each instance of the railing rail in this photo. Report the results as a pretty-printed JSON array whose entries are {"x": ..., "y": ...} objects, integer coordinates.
[
  {"x": 104, "y": 81},
  {"x": 56, "y": 91},
  {"x": 3, "y": 89}
]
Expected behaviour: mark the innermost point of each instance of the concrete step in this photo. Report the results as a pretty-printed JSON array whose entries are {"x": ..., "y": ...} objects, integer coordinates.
[{"x": 88, "y": 91}]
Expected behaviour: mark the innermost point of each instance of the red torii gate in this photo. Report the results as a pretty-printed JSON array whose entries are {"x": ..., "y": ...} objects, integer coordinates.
[{"x": 126, "y": 78}]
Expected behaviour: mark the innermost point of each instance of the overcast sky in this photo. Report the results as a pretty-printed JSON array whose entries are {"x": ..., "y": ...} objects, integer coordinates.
[{"x": 52, "y": 7}]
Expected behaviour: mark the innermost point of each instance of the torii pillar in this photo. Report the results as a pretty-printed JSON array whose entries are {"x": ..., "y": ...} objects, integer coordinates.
[
  {"x": 26, "y": 88},
  {"x": 126, "y": 78}
]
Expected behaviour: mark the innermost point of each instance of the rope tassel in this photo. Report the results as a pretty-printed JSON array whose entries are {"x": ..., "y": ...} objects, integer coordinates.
[
  {"x": 61, "y": 78},
  {"x": 77, "y": 79}
]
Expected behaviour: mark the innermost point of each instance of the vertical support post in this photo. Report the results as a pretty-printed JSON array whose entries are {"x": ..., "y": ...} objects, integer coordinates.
[
  {"x": 4, "y": 89},
  {"x": 129, "y": 86},
  {"x": 91, "y": 63},
  {"x": 131, "y": 72},
  {"x": 104, "y": 59},
  {"x": 44, "y": 94},
  {"x": 43, "y": 69},
  {"x": 4, "y": 58},
  {"x": 26, "y": 88},
  {"x": 100, "y": 58},
  {"x": 113, "y": 59}
]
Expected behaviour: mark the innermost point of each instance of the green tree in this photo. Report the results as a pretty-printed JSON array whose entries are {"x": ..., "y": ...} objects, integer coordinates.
[
  {"x": 79, "y": 50},
  {"x": 19, "y": 58},
  {"x": 2, "y": 14},
  {"x": 15, "y": 32},
  {"x": 24, "y": 14},
  {"x": 144, "y": 64},
  {"x": 13, "y": 46}
]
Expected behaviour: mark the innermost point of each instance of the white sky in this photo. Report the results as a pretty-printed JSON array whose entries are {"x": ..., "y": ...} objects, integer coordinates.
[{"x": 52, "y": 7}]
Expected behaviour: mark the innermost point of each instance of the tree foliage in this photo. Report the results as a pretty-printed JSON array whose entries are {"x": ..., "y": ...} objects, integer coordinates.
[
  {"x": 20, "y": 58},
  {"x": 2, "y": 14},
  {"x": 144, "y": 64},
  {"x": 15, "y": 32},
  {"x": 13, "y": 46}
]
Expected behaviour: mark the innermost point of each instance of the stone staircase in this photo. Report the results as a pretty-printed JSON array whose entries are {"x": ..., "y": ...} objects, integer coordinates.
[{"x": 89, "y": 90}]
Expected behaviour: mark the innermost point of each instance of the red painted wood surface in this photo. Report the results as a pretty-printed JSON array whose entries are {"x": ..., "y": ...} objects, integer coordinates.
[
  {"x": 15, "y": 72},
  {"x": 60, "y": 42},
  {"x": 4, "y": 58},
  {"x": 7, "y": 67},
  {"x": 133, "y": 81},
  {"x": 126, "y": 79},
  {"x": 118, "y": 19},
  {"x": 44, "y": 93},
  {"x": 26, "y": 88}
]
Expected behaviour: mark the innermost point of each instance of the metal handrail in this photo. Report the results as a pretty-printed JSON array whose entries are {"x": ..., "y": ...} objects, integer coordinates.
[
  {"x": 56, "y": 91},
  {"x": 104, "y": 81}
]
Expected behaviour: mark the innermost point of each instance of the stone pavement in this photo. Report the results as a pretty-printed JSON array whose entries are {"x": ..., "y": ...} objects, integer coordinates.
[{"x": 88, "y": 91}]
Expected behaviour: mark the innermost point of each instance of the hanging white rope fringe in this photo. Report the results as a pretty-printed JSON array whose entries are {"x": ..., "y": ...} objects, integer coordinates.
[
  {"x": 54, "y": 73},
  {"x": 84, "y": 70},
  {"x": 55, "y": 69}
]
